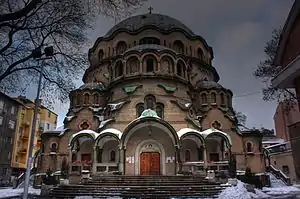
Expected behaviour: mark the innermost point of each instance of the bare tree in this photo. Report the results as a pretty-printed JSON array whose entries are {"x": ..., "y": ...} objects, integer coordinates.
[
  {"x": 266, "y": 71},
  {"x": 36, "y": 24}
]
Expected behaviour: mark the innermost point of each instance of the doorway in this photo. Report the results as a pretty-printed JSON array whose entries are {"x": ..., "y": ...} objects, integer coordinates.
[{"x": 150, "y": 163}]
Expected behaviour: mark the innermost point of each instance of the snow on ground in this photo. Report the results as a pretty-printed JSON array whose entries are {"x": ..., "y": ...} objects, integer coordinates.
[
  {"x": 10, "y": 192},
  {"x": 240, "y": 192}
]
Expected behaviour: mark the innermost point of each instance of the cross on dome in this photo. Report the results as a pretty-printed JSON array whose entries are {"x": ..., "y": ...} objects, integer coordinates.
[{"x": 150, "y": 10}]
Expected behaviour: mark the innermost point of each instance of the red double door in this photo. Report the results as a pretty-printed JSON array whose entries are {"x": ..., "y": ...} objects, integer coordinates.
[{"x": 150, "y": 163}]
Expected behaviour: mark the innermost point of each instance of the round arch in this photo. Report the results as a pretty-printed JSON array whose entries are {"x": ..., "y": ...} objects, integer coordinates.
[
  {"x": 221, "y": 134},
  {"x": 182, "y": 133},
  {"x": 84, "y": 133},
  {"x": 151, "y": 121},
  {"x": 116, "y": 134}
]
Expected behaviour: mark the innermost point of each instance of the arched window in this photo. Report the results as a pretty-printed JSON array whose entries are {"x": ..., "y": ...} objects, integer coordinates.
[
  {"x": 203, "y": 98},
  {"x": 160, "y": 110},
  {"x": 53, "y": 147},
  {"x": 249, "y": 147},
  {"x": 187, "y": 155},
  {"x": 180, "y": 69},
  {"x": 119, "y": 69},
  {"x": 191, "y": 51},
  {"x": 222, "y": 98},
  {"x": 150, "y": 102},
  {"x": 213, "y": 97},
  {"x": 112, "y": 156},
  {"x": 101, "y": 54},
  {"x": 96, "y": 99},
  {"x": 139, "y": 109},
  {"x": 149, "y": 65},
  {"x": 166, "y": 65},
  {"x": 86, "y": 99},
  {"x": 132, "y": 65},
  {"x": 149, "y": 40},
  {"x": 200, "y": 53},
  {"x": 121, "y": 47},
  {"x": 228, "y": 101},
  {"x": 74, "y": 157},
  {"x": 178, "y": 46}
]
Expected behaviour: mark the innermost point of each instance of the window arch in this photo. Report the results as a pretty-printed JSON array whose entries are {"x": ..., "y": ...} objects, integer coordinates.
[
  {"x": 178, "y": 46},
  {"x": 160, "y": 110},
  {"x": 139, "y": 109},
  {"x": 86, "y": 99},
  {"x": 149, "y": 40},
  {"x": 200, "y": 53},
  {"x": 132, "y": 65},
  {"x": 187, "y": 155},
  {"x": 149, "y": 64},
  {"x": 213, "y": 97},
  {"x": 222, "y": 98},
  {"x": 150, "y": 102},
  {"x": 121, "y": 47},
  {"x": 203, "y": 98},
  {"x": 249, "y": 147},
  {"x": 180, "y": 69},
  {"x": 101, "y": 54},
  {"x": 119, "y": 69},
  {"x": 167, "y": 65},
  {"x": 53, "y": 147},
  {"x": 96, "y": 98},
  {"x": 112, "y": 157}
]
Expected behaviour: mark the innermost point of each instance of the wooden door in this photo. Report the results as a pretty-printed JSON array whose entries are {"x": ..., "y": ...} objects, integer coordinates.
[{"x": 150, "y": 163}]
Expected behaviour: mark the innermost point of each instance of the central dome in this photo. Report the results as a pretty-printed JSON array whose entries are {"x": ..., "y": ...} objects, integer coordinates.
[{"x": 162, "y": 22}]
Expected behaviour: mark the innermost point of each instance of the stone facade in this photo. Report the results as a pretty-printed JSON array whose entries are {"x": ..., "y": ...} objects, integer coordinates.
[{"x": 151, "y": 104}]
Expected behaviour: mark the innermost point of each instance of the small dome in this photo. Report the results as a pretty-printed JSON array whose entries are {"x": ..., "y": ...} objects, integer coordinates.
[
  {"x": 162, "y": 22},
  {"x": 209, "y": 85},
  {"x": 92, "y": 86},
  {"x": 148, "y": 47}
]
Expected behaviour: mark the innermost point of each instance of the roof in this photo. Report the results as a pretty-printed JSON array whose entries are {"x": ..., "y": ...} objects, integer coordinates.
[
  {"x": 209, "y": 84},
  {"x": 159, "y": 21},
  {"x": 10, "y": 98},
  {"x": 288, "y": 26},
  {"x": 92, "y": 86},
  {"x": 147, "y": 47}
]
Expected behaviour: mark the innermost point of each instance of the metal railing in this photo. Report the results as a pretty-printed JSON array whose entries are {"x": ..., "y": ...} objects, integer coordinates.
[{"x": 280, "y": 175}]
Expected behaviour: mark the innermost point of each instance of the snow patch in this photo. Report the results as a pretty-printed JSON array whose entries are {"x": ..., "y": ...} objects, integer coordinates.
[{"x": 10, "y": 192}]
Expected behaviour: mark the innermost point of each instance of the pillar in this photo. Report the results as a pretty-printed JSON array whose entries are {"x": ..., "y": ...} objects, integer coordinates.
[
  {"x": 205, "y": 157},
  {"x": 94, "y": 168},
  {"x": 178, "y": 159},
  {"x": 121, "y": 160}
]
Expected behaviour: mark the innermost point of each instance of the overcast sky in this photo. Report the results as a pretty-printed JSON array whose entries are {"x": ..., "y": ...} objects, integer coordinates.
[{"x": 237, "y": 30}]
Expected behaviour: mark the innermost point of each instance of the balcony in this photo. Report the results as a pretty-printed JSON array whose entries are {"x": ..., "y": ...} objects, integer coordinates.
[{"x": 22, "y": 151}]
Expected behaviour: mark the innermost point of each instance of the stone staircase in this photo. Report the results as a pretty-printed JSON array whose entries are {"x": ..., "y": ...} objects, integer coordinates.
[{"x": 141, "y": 187}]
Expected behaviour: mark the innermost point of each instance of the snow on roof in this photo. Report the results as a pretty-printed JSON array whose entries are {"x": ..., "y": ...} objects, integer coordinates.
[
  {"x": 87, "y": 131},
  {"x": 113, "y": 131},
  {"x": 183, "y": 131}
]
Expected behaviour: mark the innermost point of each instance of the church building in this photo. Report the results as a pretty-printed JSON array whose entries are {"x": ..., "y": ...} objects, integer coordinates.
[{"x": 150, "y": 104}]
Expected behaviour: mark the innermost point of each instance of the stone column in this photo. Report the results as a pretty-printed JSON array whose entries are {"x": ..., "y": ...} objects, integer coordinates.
[
  {"x": 177, "y": 149},
  {"x": 205, "y": 157},
  {"x": 121, "y": 159},
  {"x": 94, "y": 166}
]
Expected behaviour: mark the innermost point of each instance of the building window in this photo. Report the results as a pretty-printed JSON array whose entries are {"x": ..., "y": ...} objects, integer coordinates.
[
  {"x": 101, "y": 54},
  {"x": 222, "y": 98},
  {"x": 119, "y": 69},
  {"x": 4, "y": 171},
  {"x": 139, "y": 109},
  {"x": 203, "y": 98},
  {"x": 149, "y": 40},
  {"x": 249, "y": 147},
  {"x": 86, "y": 99},
  {"x": 9, "y": 140},
  {"x": 96, "y": 99},
  {"x": 84, "y": 125},
  {"x": 228, "y": 101},
  {"x": 112, "y": 156},
  {"x": 13, "y": 110},
  {"x": 121, "y": 47},
  {"x": 49, "y": 114},
  {"x": 53, "y": 147},
  {"x": 160, "y": 110},
  {"x": 48, "y": 126},
  {"x": 150, "y": 102},
  {"x": 200, "y": 53},
  {"x": 1, "y": 120},
  {"x": 213, "y": 98},
  {"x": 178, "y": 46},
  {"x": 187, "y": 155},
  {"x": 11, "y": 124},
  {"x": 1, "y": 105},
  {"x": 149, "y": 65},
  {"x": 132, "y": 65},
  {"x": 9, "y": 155}
]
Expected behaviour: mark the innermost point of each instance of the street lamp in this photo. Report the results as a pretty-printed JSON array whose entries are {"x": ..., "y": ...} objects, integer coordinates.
[{"x": 36, "y": 54}]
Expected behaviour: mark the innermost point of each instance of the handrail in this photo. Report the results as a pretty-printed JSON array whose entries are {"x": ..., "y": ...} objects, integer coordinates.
[{"x": 279, "y": 174}]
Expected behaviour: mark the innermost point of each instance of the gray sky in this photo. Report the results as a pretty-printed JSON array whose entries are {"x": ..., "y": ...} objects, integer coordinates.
[{"x": 237, "y": 30}]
